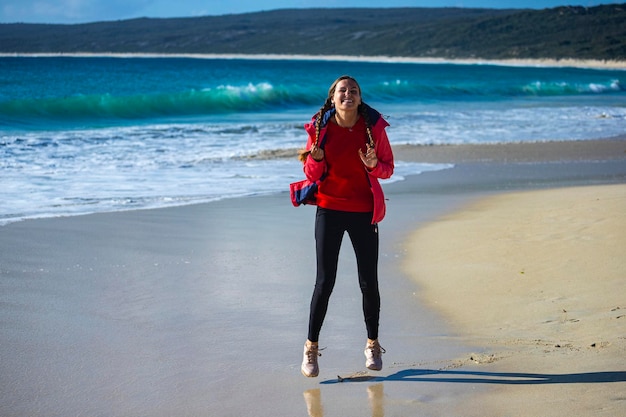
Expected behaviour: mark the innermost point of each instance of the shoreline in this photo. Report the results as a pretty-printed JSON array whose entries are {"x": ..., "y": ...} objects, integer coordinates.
[
  {"x": 607, "y": 149},
  {"x": 550, "y": 150},
  {"x": 518, "y": 152},
  {"x": 543, "y": 62}
]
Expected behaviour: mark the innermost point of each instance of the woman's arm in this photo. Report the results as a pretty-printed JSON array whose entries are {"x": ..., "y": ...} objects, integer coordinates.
[{"x": 384, "y": 154}]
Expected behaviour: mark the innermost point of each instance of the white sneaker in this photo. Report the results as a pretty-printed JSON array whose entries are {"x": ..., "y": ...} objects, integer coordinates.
[
  {"x": 309, "y": 366},
  {"x": 373, "y": 356}
]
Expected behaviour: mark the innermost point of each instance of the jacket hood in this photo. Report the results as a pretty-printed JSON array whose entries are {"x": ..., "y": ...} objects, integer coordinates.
[{"x": 373, "y": 114}]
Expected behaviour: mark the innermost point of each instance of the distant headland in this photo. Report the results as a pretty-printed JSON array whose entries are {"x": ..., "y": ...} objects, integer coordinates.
[{"x": 589, "y": 36}]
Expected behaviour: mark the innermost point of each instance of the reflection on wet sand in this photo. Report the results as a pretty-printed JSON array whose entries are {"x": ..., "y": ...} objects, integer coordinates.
[
  {"x": 313, "y": 399},
  {"x": 375, "y": 394}
]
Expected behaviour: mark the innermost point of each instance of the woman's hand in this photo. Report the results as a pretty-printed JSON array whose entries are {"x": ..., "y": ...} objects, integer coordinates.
[
  {"x": 317, "y": 153},
  {"x": 369, "y": 158}
]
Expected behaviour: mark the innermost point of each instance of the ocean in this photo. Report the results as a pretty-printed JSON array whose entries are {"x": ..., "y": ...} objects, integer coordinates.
[{"x": 93, "y": 134}]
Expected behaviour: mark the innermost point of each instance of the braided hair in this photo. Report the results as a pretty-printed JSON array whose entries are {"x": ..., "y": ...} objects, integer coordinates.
[
  {"x": 368, "y": 124},
  {"x": 304, "y": 153}
]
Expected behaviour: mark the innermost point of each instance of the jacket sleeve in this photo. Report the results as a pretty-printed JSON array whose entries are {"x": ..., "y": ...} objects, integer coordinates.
[
  {"x": 384, "y": 168},
  {"x": 313, "y": 170}
]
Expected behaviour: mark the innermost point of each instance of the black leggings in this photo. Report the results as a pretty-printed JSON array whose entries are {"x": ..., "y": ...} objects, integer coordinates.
[{"x": 330, "y": 226}]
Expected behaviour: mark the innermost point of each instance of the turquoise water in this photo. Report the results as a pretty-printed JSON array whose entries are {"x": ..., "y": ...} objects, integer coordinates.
[
  {"x": 68, "y": 93},
  {"x": 99, "y": 134}
]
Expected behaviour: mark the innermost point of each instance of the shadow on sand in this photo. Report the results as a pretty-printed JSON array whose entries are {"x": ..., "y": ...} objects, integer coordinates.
[
  {"x": 474, "y": 377},
  {"x": 375, "y": 392}
]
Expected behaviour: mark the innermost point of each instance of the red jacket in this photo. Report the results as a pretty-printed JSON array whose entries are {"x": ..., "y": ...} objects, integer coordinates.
[{"x": 314, "y": 170}]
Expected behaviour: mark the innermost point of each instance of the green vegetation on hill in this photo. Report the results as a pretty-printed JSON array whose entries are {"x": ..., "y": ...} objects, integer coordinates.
[{"x": 559, "y": 33}]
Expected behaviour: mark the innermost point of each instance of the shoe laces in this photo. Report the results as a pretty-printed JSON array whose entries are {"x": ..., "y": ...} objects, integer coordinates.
[
  {"x": 312, "y": 353},
  {"x": 376, "y": 349}
]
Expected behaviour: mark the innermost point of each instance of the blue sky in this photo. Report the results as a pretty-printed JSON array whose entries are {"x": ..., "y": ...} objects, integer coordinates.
[{"x": 81, "y": 11}]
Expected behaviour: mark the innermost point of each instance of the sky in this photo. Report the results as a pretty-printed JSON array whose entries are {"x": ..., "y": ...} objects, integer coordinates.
[{"x": 84, "y": 11}]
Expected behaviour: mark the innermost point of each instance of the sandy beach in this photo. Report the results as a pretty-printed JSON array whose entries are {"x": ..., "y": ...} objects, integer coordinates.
[
  {"x": 537, "y": 280},
  {"x": 502, "y": 289},
  {"x": 542, "y": 62}
]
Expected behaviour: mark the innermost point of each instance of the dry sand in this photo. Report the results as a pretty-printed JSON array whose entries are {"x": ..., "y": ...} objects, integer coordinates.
[
  {"x": 537, "y": 281},
  {"x": 543, "y": 62}
]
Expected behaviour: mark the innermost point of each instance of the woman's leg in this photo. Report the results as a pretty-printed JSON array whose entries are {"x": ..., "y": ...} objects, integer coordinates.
[
  {"x": 364, "y": 237},
  {"x": 329, "y": 230}
]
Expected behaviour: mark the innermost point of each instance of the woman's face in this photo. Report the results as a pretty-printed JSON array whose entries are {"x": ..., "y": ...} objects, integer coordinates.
[{"x": 347, "y": 95}]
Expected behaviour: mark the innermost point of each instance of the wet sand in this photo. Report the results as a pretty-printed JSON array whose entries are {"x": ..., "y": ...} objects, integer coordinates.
[{"x": 202, "y": 310}]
